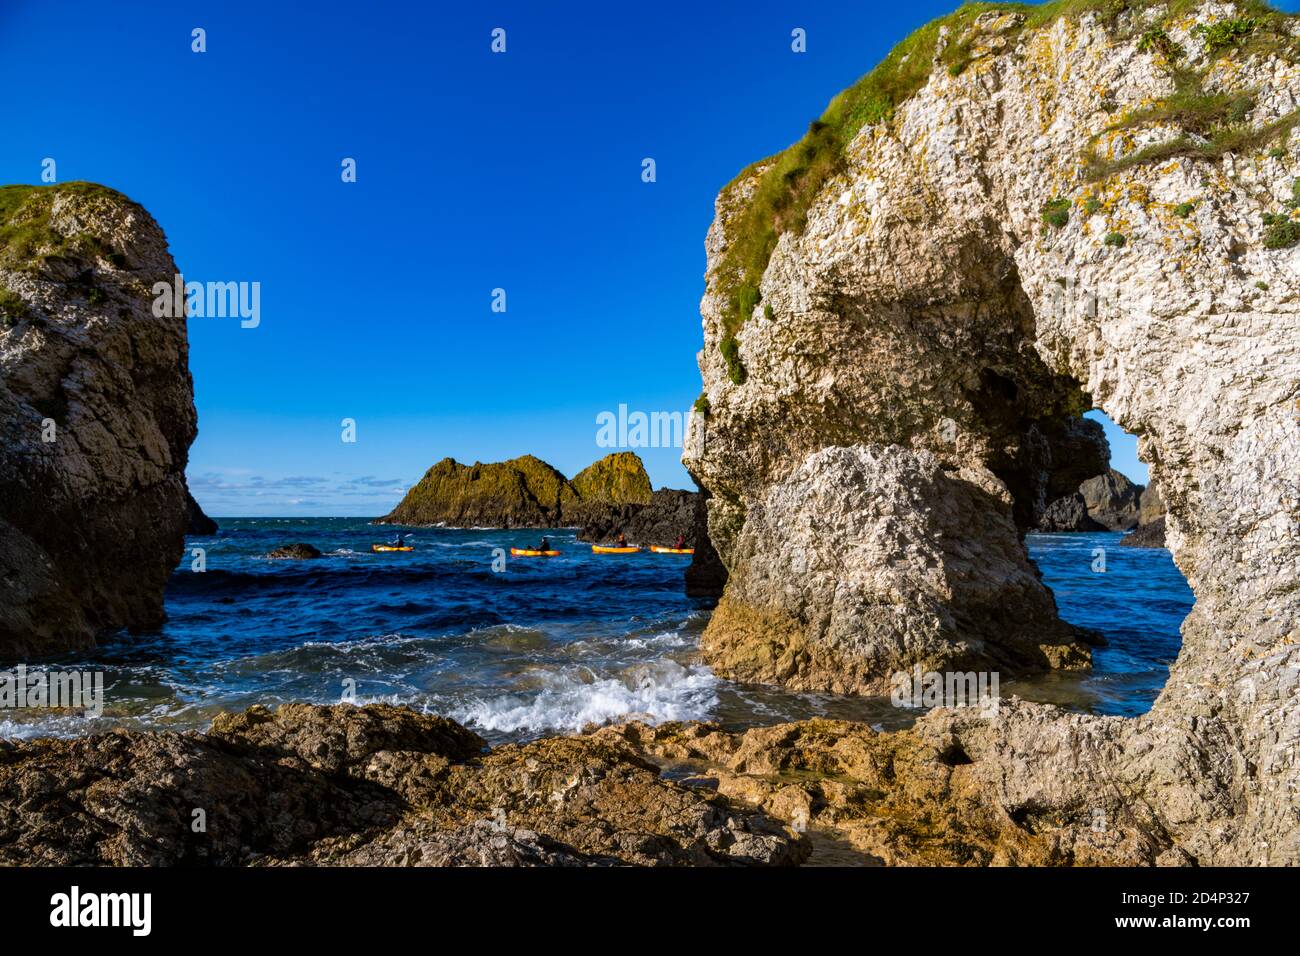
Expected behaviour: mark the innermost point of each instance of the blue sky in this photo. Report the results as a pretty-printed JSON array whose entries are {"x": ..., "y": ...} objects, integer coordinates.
[{"x": 475, "y": 171}]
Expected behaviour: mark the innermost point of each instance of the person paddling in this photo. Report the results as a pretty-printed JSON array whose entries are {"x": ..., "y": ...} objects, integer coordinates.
[
  {"x": 545, "y": 545},
  {"x": 680, "y": 543},
  {"x": 622, "y": 541},
  {"x": 397, "y": 540}
]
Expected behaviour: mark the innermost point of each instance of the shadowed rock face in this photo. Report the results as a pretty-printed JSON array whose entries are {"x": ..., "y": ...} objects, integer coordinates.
[
  {"x": 92, "y": 520},
  {"x": 376, "y": 785},
  {"x": 927, "y": 306},
  {"x": 196, "y": 522},
  {"x": 1112, "y": 500},
  {"x": 670, "y": 512}
]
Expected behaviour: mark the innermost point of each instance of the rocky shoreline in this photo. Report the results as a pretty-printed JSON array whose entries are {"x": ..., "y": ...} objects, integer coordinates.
[{"x": 386, "y": 786}]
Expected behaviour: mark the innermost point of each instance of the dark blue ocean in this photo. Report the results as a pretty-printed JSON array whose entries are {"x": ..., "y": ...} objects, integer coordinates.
[{"x": 544, "y": 646}]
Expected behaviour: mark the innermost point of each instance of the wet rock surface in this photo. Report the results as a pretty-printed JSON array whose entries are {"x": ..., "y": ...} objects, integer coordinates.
[
  {"x": 375, "y": 785},
  {"x": 299, "y": 551}
]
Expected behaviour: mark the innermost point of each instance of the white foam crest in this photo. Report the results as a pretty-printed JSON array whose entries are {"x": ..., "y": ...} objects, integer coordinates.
[{"x": 654, "y": 693}]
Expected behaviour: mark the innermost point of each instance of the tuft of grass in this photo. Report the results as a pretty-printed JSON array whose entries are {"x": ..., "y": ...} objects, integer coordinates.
[
  {"x": 1056, "y": 213},
  {"x": 1262, "y": 286},
  {"x": 1280, "y": 231},
  {"x": 702, "y": 405},
  {"x": 13, "y": 308},
  {"x": 1156, "y": 40},
  {"x": 1184, "y": 209},
  {"x": 1225, "y": 34},
  {"x": 731, "y": 355},
  {"x": 768, "y": 313},
  {"x": 1277, "y": 152},
  {"x": 1092, "y": 206},
  {"x": 1116, "y": 240},
  {"x": 26, "y": 236}
]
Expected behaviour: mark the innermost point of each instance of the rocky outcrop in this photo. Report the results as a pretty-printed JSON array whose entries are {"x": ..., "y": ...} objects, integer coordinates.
[
  {"x": 361, "y": 786},
  {"x": 96, "y": 416},
  {"x": 706, "y": 576},
  {"x": 668, "y": 513},
  {"x": 1012, "y": 220},
  {"x": 1150, "y": 532},
  {"x": 1152, "y": 506},
  {"x": 617, "y": 479},
  {"x": 1068, "y": 513},
  {"x": 956, "y": 790},
  {"x": 196, "y": 522},
  {"x": 299, "y": 551},
  {"x": 523, "y": 492},
  {"x": 1112, "y": 500},
  {"x": 1146, "y": 535},
  {"x": 957, "y": 591}
]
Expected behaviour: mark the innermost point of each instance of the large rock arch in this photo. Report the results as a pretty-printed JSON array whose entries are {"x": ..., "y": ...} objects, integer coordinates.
[{"x": 937, "y": 317}]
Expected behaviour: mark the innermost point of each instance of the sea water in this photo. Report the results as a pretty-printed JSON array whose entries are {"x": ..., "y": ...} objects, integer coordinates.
[{"x": 547, "y": 645}]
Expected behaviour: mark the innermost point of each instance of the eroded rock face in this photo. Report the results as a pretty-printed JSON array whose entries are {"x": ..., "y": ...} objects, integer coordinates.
[
  {"x": 932, "y": 303},
  {"x": 955, "y": 592},
  {"x": 96, "y": 419},
  {"x": 376, "y": 785},
  {"x": 1069, "y": 513},
  {"x": 1112, "y": 500}
]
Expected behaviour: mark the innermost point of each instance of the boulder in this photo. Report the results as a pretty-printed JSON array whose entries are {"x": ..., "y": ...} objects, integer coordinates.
[
  {"x": 1068, "y": 513},
  {"x": 299, "y": 551},
  {"x": 96, "y": 419},
  {"x": 1151, "y": 535},
  {"x": 1113, "y": 501}
]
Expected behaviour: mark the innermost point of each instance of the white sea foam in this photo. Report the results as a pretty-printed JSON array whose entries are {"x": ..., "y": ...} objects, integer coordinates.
[{"x": 657, "y": 692}]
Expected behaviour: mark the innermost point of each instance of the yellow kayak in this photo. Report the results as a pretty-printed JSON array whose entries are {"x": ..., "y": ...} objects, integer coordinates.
[
  {"x": 530, "y": 553},
  {"x": 660, "y": 550},
  {"x": 389, "y": 547},
  {"x": 603, "y": 549}
]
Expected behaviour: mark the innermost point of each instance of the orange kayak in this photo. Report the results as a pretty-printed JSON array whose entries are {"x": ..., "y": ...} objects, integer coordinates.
[
  {"x": 604, "y": 549},
  {"x": 660, "y": 550},
  {"x": 389, "y": 547},
  {"x": 530, "y": 553}
]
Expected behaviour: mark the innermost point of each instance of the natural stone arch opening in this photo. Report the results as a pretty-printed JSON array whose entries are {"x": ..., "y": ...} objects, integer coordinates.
[{"x": 1100, "y": 549}]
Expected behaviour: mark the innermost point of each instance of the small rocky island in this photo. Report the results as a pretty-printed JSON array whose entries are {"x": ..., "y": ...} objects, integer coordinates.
[{"x": 523, "y": 492}]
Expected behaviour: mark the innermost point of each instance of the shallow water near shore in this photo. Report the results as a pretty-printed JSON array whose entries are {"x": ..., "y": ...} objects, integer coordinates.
[{"x": 546, "y": 646}]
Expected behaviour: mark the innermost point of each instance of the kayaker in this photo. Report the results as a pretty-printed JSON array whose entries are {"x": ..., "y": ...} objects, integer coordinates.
[
  {"x": 545, "y": 545},
  {"x": 680, "y": 543},
  {"x": 622, "y": 541},
  {"x": 397, "y": 540}
]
